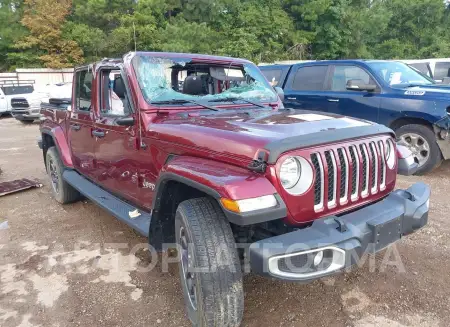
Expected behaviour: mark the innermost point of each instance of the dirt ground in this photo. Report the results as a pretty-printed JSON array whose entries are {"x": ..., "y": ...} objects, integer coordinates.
[{"x": 59, "y": 266}]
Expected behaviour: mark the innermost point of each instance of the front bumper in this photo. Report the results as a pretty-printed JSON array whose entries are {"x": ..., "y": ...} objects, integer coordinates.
[
  {"x": 342, "y": 240},
  {"x": 26, "y": 113}
]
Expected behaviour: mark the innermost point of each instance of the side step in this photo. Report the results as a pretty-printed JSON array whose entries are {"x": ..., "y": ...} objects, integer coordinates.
[{"x": 110, "y": 203}]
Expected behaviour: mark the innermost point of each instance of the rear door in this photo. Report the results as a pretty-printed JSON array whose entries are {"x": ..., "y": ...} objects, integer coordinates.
[
  {"x": 305, "y": 88},
  {"x": 359, "y": 104},
  {"x": 81, "y": 123}
]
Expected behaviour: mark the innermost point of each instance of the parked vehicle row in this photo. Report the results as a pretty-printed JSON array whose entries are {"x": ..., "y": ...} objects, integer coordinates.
[
  {"x": 198, "y": 150},
  {"x": 386, "y": 92},
  {"x": 23, "y": 101}
]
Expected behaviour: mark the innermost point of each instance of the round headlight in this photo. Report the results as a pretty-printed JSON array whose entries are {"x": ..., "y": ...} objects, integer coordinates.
[{"x": 290, "y": 172}]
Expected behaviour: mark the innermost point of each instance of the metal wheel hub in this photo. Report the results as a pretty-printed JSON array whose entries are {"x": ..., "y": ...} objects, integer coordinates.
[
  {"x": 417, "y": 145},
  {"x": 53, "y": 175},
  {"x": 187, "y": 265}
]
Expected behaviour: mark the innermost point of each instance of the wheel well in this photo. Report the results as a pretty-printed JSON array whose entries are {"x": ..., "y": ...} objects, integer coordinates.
[
  {"x": 407, "y": 121},
  {"x": 162, "y": 227},
  {"x": 47, "y": 142}
]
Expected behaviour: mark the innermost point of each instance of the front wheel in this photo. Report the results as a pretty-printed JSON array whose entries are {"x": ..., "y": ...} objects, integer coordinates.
[
  {"x": 421, "y": 141},
  {"x": 209, "y": 267}
]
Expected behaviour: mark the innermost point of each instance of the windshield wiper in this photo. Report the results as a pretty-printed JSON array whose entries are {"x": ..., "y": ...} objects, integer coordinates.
[
  {"x": 182, "y": 101},
  {"x": 233, "y": 99}
]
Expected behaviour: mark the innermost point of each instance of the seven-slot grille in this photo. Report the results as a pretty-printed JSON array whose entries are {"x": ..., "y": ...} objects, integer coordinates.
[{"x": 362, "y": 170}]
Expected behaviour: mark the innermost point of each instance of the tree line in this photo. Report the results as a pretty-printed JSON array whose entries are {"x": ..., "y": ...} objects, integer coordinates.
[{"x": 64, "y": 33}]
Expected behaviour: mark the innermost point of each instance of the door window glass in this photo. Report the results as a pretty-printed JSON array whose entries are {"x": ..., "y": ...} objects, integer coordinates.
[
  {"x": 342, "y": 74},
  {"x": 442, "y": 70},
  {"x": 421, "y": 67},
  {"x": 83, "y": 90},
  {"x": 113, "y": 100},
  {"x": 310, "y": 78},
  {"x": 272, "y": 75}
]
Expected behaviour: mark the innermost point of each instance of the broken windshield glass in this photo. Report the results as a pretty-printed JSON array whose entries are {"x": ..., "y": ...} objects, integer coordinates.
[{"x": 164, "y": 79}]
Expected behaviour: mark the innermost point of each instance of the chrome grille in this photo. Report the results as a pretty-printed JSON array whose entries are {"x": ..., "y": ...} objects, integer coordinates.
[
  {"x": 318, "y": 182},
  {"x": 348, "y": 173},
  {"x": 19, "y": 103},
  {"x": 343, "y": 162}
]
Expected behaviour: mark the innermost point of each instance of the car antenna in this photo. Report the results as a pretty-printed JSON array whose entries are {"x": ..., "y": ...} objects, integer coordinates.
[{"x": 134, "y": 36}]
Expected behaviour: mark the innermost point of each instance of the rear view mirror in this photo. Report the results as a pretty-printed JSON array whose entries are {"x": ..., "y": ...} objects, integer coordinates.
[
  {"x": 280, "y": 92},
  {"x": 360, "y": 85}
]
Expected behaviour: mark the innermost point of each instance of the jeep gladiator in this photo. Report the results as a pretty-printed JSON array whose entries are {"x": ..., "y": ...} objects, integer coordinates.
[
  {"x": 197, "y": 152},
  {"x": 387, "y": 92}
]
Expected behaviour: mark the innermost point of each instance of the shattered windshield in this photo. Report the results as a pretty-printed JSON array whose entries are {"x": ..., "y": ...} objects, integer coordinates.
[{"x": 166, "y": 79}]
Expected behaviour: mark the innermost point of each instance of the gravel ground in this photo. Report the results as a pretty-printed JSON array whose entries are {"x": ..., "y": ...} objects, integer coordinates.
[{"x": 59, "y": 266}]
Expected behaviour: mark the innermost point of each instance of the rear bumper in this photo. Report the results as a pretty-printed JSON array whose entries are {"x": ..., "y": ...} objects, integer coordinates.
[{"x": 342, "y": 241}]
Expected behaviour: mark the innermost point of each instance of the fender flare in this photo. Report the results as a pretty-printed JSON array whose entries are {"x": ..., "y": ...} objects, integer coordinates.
[
  {"x": 60, "y": 141},
  {"x": 236, "y": 183}
]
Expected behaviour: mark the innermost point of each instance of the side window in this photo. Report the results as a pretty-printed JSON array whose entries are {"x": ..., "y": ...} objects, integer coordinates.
[
  {"x": 421, "y": 67},
  {"x": 83, "y": 90},
  {"x": 442, "y": 70},
  {"x": 114, "y": 99},
  {"x": 272, "y": 75},
  {"x": 342, "y": 74},
  {"x": 310, "y": 78}
]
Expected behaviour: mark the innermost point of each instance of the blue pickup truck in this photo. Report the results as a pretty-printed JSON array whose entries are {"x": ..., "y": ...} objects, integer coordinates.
[{"x": 386, "y": 92}]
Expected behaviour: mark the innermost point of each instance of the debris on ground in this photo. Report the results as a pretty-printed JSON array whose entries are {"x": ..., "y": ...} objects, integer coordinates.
[{"x": 17, "y": 186}]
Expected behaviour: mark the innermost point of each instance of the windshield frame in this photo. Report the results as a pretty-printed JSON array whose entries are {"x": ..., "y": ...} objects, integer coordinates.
[
  {"x": 375, "y": 68},
  {"x": 227, "y": 63}
]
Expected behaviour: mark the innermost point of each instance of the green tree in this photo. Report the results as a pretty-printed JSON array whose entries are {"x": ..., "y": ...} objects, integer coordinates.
[{"x": 44, "y": 18}]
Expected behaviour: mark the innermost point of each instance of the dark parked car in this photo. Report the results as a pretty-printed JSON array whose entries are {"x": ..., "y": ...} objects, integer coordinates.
[
  {"x": 386, "y": 92},
  {"x": 215, "y": 161}
]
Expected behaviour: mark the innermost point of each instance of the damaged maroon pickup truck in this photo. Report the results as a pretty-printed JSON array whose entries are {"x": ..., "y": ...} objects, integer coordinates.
[{"x": 198, "y": 151}]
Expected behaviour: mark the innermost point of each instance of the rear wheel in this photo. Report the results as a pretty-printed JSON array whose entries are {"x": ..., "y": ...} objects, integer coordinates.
[
  {"x": 210, "y": 269},
  {"x": 421, "y": 141},
  {"x": 62, "y": 191}
]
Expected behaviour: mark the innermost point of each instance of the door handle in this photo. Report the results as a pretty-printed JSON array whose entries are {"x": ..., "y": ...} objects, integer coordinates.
[
  {"x": 291, "y": 98},
  {"x": 333, "y": 100},
  {"x": 75, "y": 127},
  {"x": 98, "y": 133}
]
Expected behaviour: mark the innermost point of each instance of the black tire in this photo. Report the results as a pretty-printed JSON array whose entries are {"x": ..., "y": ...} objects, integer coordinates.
[
  {"x": 27, "y": 122},
  {"x": 218, "y": 289},
  {"x": 435, "y": 156},
  {"x": 62, "y": 191}
]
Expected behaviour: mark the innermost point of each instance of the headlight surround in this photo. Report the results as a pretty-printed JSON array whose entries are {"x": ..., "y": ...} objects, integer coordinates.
[
  {"x": 390, "y": 154},
  {"x": 290, "y": 172},
  {"x": 296, "y": 175}
]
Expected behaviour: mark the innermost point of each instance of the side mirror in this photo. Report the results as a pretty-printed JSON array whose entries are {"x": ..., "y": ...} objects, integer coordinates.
[
  {"x": 125, "y": 121},
  {"x": 280, "y": 92},
  {"x": 446, "y": 80},
  {"x": 359, "y": 85}
]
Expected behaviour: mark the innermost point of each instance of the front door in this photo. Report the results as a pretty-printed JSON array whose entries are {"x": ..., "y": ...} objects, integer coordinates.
[
  {"x": 81, "y": 123},
  {"x": 359, "y": 104},
  {"x": 304, "y": 88},
  {"x": 116, "y": 150}
]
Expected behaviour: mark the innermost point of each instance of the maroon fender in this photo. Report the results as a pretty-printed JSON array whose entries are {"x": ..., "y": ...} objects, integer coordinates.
[
  {"x": 60, "y": 140},
  {"x": 219, "y": 179}
]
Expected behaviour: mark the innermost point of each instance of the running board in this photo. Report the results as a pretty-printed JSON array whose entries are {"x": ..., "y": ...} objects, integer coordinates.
[{"x": 118, "y": 208}]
